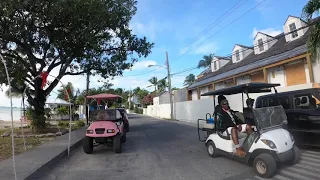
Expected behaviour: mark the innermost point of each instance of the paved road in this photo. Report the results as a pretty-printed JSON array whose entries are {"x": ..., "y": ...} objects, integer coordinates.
[{"x": 161, "y": 150}]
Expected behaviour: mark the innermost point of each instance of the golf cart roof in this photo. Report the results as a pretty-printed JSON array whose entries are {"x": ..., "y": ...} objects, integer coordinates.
[
  {"x": 253, "y": 87},
  {"x": 104, "y": 96}
]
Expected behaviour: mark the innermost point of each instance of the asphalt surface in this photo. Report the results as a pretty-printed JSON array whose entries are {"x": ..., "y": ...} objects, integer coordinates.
[{"x": 162, "y": 150}]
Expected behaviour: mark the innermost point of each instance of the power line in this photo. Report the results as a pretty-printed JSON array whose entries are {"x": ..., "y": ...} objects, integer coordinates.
[
  {"x": 252, "y": 47},
  {"x": 225, "y": 27},
  {"x": 215, "y": 23}
]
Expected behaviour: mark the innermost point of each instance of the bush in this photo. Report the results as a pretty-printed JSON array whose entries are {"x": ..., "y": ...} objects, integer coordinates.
[
  {"x": 63, "y": 124},
  {"x": 138, "y": 110},
  {"x": 80, "y": 123}
]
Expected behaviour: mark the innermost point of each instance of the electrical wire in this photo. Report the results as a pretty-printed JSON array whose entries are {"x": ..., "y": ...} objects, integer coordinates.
[
  {"x": 215, "y": 23},
  {"x": 222, "y": 28},
  {"x": 252, "y": 47}
]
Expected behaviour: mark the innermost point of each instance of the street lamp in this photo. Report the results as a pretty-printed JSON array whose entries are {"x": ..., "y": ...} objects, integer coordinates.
[{"x": 169, "y": 83}]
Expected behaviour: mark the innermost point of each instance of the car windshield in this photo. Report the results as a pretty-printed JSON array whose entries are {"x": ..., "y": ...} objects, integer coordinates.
[
  {"x": 105, "y": 115},
  {"x": 267, "y": 117}
]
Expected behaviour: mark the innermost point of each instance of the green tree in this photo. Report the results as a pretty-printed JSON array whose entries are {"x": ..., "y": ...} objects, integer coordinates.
[
  {"x": 189, "y": 80},
  {"x": 154, "y": 82},
  {"x": 205, "y": 62},
  {"x": 74, "y": 36},
  {"x": 311, "y": 8},
  {"x": 73, "y": 93},
  {"x": 162, "y": 85}
]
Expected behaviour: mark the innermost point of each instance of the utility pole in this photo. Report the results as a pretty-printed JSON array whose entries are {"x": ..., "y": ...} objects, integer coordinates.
[
  {"x": 87, "y": 93},
  {"x": 169, "y": 84}
]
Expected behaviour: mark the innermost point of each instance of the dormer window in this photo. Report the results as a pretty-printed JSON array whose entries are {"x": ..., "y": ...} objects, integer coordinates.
[
  {"x": 215, "y": 67},
  {"x": 293, "y": 27},
  {"x": 237, "y": 55},
  {"x": 260, "y": 44}
]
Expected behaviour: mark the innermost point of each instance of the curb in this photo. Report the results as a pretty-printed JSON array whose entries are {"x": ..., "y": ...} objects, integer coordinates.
[{"x": 48, "y": 165}]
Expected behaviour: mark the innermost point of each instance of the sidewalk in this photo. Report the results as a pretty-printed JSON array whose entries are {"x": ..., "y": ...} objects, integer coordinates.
[{"x": 31, "y": 162}]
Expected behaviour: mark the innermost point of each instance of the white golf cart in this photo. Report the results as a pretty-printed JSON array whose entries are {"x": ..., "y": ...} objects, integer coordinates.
[{"x": 266, "y": 146}]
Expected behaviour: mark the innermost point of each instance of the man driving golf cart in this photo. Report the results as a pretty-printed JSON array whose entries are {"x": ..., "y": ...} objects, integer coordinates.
[{"x": 231, "y": 124}]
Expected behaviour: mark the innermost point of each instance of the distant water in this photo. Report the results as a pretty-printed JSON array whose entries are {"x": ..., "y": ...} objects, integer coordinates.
[{"x": 5, "y": 113}]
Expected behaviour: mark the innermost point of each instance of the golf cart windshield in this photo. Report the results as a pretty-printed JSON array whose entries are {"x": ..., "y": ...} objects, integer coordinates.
[
  {"x": 105, "y": 115},
  {"x": 268, "y": 117}
]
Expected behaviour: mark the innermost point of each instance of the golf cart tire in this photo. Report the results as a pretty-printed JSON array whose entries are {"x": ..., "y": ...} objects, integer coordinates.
[
  {"x": 124, "y": 137},
  {"x": 87, "y": 144},
  {"x": 296, "y": 155},
  {"x": 211, "y": 149},
  {"x": 117, "y": 144},
  {"x": 270, "y": 163}
]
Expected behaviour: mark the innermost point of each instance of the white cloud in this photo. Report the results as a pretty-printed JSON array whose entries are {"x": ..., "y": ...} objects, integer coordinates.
[
  {"x": 148, "y": 29},
  {"x": 143, "y": 64},
  {"x": 269, "y": 31},
  {"x": 201, "y": 46}
]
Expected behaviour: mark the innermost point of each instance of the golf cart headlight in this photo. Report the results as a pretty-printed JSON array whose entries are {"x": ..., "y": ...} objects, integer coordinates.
[
  {"x": 89, "y": 131},
  {"x": 269, "y": 143},
  {"x": 291, "y": 136},
  {"x": 110, "y": 131}
]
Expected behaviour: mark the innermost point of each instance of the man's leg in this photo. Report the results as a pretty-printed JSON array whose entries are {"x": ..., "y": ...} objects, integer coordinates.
[{"x": 234, "y": 135}]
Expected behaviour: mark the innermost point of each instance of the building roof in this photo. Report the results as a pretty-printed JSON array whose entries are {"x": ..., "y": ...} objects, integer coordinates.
[
  {"x": 247, "y": 47},
  {"x": 264, "y": 34},
  {"x": 223, "y": 57},
  {"x": 279, "y": 51}
]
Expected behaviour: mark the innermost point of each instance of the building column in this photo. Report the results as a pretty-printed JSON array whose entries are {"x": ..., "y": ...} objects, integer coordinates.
[
  {"x": 265, "y": 75},
  {"x": 310, "y": 68},
  {"x": 198, "y": 93}
]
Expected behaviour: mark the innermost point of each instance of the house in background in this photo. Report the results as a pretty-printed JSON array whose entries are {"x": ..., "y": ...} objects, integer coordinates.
[
  {"x": 135, "y": 100},
  {"x": 280, "y": 59}
]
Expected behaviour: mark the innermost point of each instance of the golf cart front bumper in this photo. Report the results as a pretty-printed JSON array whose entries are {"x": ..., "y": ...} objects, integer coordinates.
[{"x": 285, "y": 156}]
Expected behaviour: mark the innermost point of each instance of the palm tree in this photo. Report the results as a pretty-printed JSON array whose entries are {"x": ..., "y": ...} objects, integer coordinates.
[
  {"x": 189, "y": 80},
  {"x": 162, "y": 85},
  {"x": 205, "y": 62},
  {"x": 154, "y": 82},
  {"x": 311, "y": 8}
]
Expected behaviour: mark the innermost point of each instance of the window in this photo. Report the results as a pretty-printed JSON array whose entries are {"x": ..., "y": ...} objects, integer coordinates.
[
  {"x": 215, "y": 65},
  {"x": 237, "y": 55},
  {"x": 293, "y": 27},
  {"x": 284, "y": 101},
  {"x": 260, "y": 43}
]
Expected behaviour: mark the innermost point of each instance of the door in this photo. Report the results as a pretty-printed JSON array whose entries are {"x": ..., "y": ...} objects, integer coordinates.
[{"x": 295, "y": 74}]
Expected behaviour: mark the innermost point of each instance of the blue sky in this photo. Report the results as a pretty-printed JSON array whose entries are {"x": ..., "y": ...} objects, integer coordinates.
[{"x": 172, "y": 25}]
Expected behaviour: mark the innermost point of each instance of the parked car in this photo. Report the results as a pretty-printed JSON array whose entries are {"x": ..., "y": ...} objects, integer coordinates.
[
  {"x": 125, "y": 117},
  {"x": 302, "y": 108}
]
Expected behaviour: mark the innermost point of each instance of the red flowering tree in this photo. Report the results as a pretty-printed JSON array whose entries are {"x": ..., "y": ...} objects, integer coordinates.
[{"x": 148, "y": 99}]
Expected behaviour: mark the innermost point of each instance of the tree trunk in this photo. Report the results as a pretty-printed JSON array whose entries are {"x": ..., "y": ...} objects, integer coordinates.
[{"x": 38, "y": 102}]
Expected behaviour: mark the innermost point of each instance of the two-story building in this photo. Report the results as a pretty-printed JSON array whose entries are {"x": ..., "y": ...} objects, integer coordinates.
[{"x": 280, "y": 59}]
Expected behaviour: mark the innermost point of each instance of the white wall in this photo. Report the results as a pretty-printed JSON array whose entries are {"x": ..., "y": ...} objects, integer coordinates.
[
  {"x": 194, "y": 94},
  {"x": 220, "y": 85},
  {"x": 279, "y": 76},
  {"x": 243, "y": 80},
  {"x": 190, "y": 111},
  {"x": 298, "y": 24},
  {"x": 204, "y": 90}
]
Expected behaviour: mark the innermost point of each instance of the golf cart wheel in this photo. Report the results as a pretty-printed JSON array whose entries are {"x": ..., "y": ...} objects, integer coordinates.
[
  {"x": 117, "y": 144},
  {"x": 211, "y": 148},
  {"x": 124, "y": 137},
  {"x": 265, "y": 165},
  {"x": 87, "y": 144},
  {"x": 296, "y": 155}
]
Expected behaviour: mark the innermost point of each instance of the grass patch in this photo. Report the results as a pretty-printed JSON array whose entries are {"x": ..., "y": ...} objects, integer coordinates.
[{"x": 31, "y": 142}]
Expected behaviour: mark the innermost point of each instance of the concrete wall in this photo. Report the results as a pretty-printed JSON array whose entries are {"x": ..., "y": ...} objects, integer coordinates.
[
  {"x": 180, "y": 95},
  {"x": 190, "y": 111}
]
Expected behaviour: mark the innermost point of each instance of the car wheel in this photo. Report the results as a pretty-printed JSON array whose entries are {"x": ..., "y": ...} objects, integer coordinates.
[
  {"x": 296, "y": 155},
  {"x": 124, "y": 137},
  {"x": 87, "y": 145},
  {"x": 117, "y": 144},
  {"x": 211, "y": 148},
  {"x": 265, "y": 165}
]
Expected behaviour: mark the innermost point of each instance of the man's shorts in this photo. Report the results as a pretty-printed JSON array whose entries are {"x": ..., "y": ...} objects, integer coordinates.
[{"x": 243, "y": 129}]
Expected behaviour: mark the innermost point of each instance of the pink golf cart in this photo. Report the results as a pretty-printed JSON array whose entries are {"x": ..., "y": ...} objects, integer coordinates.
[{"x": 106, "y": 125}]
